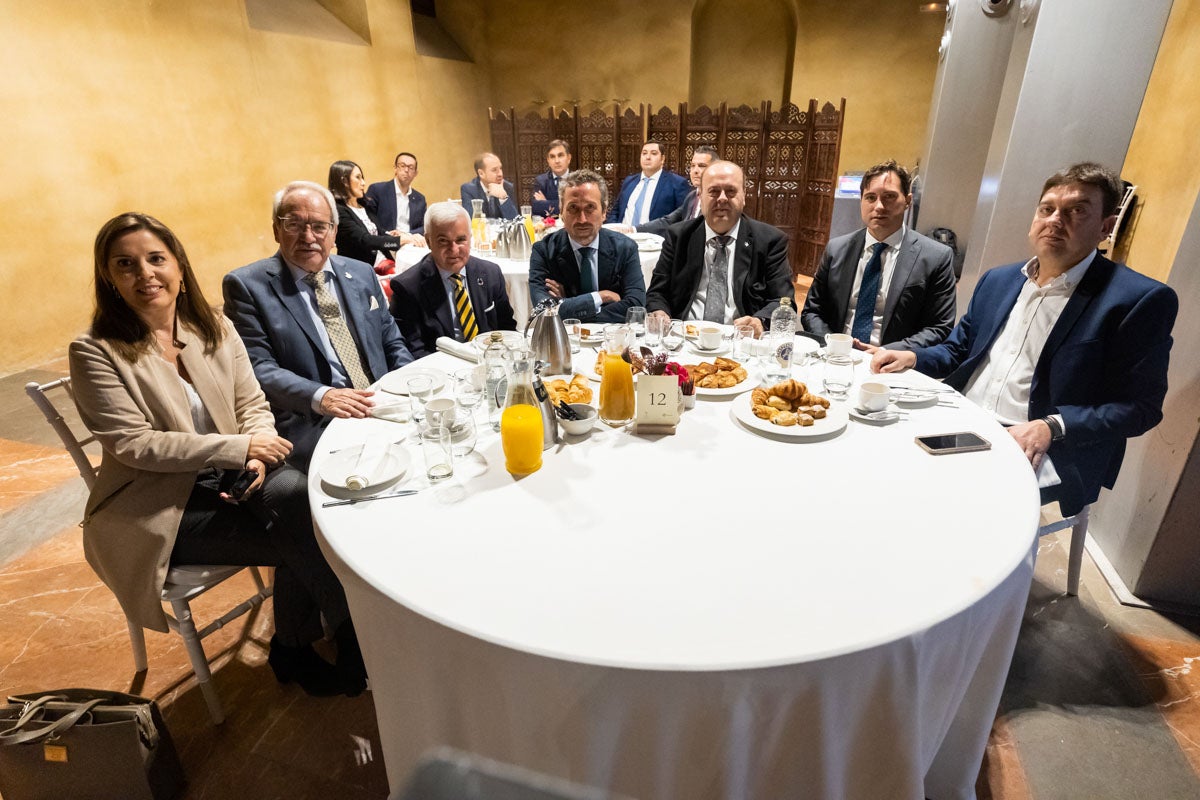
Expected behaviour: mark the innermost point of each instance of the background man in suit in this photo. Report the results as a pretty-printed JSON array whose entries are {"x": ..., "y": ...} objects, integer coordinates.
[
  {"x": 315, "y": 325},
  {"x": 721, "y": 266},
  {"x": 449, "y": 292},
  {"x": 654, "y": 192},
  {"x": 702, "y": 157},
  {"x": 884, "y": 284},
  {"x": 490, "y": 187},
  {"x": 398, "y": 206},
  {"x": 1068, "y": 348},
  {"x": 545, "y": 186},
  {"x": 595, "y": 272}
]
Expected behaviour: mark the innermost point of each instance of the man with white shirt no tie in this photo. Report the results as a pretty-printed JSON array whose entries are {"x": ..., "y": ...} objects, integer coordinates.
[
  {"x": 1068, "y": 349},
  {"x": 399, "y": 208},
  {"x": 652, "y": 193},
  {"x": 884, "y": 284}
]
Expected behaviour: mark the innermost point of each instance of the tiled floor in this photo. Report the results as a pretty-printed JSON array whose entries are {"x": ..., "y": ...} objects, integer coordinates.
[{"x": 1101, "y": 702}]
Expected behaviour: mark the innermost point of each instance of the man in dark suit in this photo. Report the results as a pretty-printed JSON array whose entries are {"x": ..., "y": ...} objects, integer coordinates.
[
  {"x": 490, "y": 187},
  {"x": 449, "y": 292},
  {"x": 545, "y": 186},
  {"x": 884, "y": 284},
  {"x": 398, "y": 206},
  {"x": 702, "y": 157},
  {"x": 1068, "y": 349},
  {"x": 722, "y": 266},
  {"x": 652, "y": 193},
  {"x": 315, "y": 325},
  {"x": 596, "y": 273}
]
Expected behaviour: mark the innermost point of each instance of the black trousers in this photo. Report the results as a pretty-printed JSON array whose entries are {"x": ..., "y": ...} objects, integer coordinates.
[{"x": 272, "y": 528}]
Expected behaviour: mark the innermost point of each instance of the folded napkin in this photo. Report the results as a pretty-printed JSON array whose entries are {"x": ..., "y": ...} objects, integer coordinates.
[
  {"x": 458, "y": 349},
  {"x": 393, "y": 408},
  {"x": 1047, "y": 475}
]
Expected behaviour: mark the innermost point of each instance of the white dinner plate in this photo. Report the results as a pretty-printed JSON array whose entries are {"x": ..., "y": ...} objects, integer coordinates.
[
  {"x": 374, "y": 464},
  {"x": 647, "y": 242},
  {"x": 856, "y": 356},
  {"x": 745, "y": 386},
  {"x": 396, "y": 382},
  {"x": 721, "y": 349},
  {"x": 915, "y": 398},
  {"x": 511, "y": 339},
  {"x": 835, "y": 421}
]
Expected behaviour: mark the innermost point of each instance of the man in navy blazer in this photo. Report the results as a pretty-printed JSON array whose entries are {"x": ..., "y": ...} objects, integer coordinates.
[
  {"x": 545, "y": 186},
  {"x": 596, "y": 273},
  {"x": 387, "y": 195},
  {"x": 1068, "y": 349},
  {"x": 490, "y": 187},
  {"x": 424, "y": 296},
  {"x": 913, "y": 302},
  {"x": 652, "y": 193},
  {"x": 757, "y": 272},
  {"x": 274, "y": 309},
  {"x": 702, "y": 157}
]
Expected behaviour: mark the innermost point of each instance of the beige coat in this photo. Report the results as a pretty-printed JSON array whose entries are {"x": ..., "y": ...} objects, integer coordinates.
[{"x": 152, "y": 454}]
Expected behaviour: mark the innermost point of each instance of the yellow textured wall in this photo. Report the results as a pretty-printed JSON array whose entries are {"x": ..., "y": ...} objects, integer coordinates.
[
  {"x": 184, "y": 111},
  {"x": 1164, "y": 153},
  {"x": 726, "y": 31}
]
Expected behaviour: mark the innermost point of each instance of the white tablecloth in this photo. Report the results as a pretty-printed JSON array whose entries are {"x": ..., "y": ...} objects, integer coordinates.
[
  {"x": 516, "y": 275},
  {"x": 709, "y": 614}
]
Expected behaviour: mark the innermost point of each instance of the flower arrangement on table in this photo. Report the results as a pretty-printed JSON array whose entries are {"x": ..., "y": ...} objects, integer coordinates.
[{"x": 660, "y": 365}]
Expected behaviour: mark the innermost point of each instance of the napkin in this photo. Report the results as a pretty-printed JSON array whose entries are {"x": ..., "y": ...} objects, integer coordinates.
[
  {"x": 458, "y": 349},
  {"x": 391, "y": 407},
  {"x": 1047, "y": 475}
]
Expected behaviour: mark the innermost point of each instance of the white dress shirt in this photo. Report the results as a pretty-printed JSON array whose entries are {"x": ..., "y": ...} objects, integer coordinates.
[
  {"x": 340, "y": 377},
  {"x": 888, "y": 265},
  {"x": 648, "y": 190},
  {"x": 697, "y": 309},
  {"x": 401, "y": 206}
]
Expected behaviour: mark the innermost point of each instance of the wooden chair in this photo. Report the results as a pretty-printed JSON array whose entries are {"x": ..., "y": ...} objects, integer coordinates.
[
  {"x": 183, "y": 584},
  {"x": 1078, "y": 525}
]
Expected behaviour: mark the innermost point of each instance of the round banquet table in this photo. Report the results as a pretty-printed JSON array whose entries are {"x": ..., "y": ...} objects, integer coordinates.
[
  {"x": 516, "y": 274},
  {"x": 709, "y": 614}
]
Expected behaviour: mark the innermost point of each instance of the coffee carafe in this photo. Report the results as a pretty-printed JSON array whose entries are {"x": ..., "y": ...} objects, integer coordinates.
[{"x": 550, "y": 342}]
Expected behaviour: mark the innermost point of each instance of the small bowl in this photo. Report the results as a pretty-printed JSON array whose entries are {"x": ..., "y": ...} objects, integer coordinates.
[{"x": 579, "y": 427}]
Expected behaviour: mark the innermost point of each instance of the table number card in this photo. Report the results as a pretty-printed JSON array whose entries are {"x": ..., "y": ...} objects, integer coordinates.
[{"x": 657, "y": 403}]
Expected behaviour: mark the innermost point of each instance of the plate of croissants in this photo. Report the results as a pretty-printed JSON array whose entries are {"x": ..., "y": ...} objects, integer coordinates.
[
  {"x": 572, "y": 388},
  {"x": 720, "y": 377},
  {"x": 789, "y": 409}
]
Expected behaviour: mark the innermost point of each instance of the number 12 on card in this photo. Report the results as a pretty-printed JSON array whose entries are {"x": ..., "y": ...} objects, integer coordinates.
[{"x": 657, "y": 400}]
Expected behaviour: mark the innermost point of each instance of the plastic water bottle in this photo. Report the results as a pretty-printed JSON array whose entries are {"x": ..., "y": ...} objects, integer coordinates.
[
  {"x": 784, "y": 318},
  {"x": 495, "y": 361}
]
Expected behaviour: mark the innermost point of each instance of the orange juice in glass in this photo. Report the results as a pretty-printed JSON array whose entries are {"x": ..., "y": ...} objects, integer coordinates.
[
  {"x": 521, "y": 420},
  {"x": 616, "y": 384}
]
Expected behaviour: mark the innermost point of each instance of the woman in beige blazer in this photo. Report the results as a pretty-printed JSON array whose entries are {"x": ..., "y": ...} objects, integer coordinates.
[{"x": 166, "y": 386}]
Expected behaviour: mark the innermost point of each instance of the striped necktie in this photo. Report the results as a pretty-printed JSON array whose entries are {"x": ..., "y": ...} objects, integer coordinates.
[
  {"x": 462, "y": 307},
  {"x": 339, "y": 334}
]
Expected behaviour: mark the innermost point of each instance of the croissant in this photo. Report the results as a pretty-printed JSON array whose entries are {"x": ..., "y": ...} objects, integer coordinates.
[
  {"x": 791, "y": 389},
  {"x": 579, "y": 381},
  {"x": 725, "y": 364},
  {"x": 764, "y": 412},
  {"x": 779, "y": 402},
  {"x": 758, "y": 397},
  {"x": 785, "y": 418}
]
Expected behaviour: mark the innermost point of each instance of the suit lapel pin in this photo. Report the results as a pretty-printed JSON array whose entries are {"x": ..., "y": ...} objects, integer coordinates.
[
  {"x": 479, "y": 281},
  {"x": 347, "y": 274}
]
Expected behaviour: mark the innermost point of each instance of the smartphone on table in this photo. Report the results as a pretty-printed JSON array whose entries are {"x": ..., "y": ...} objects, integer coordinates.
[{"x": 945, "y": 443}]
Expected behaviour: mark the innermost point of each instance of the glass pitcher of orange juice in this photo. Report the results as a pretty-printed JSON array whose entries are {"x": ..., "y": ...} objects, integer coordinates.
[
  {"x": 616, "y": 384},
  {"x": 521, "y": 421}
]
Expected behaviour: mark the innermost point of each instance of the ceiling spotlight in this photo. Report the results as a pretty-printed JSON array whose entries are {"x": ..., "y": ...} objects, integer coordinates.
[{"x": 932, "y": 8}]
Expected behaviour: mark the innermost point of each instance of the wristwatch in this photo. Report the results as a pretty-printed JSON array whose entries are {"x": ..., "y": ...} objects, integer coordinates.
[{"x": 1056, "y": 429}]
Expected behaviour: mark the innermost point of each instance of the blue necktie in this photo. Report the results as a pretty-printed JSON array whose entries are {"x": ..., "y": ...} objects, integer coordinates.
[
  {"x": 637, "y": 206},
  {"x": 868, "y": 291},
  {"x": 586, "y": 283}
]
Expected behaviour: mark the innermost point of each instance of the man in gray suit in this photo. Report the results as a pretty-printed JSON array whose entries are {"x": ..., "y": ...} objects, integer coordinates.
[
  {"x": 885, "y": 285},
  {"x": 316, "y": 326}
]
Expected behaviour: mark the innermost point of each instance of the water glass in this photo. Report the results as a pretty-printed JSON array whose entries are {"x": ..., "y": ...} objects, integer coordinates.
[
  {"x": 469, "y": 385},
  {"x": 462, "y": 434},
  {"x": 437, "y": 445},
  {"x": 420, "y": 389},
  {"x": 635, "y": 318},
  {"x": 574, "y": 328},
  {"x": 744, "y": 343},
  {"x": 673, "y": 337},
  {"x": 656, "y": 328},
  {"x": 838, "y": 376},
  {"x": 777, "y": 363}
]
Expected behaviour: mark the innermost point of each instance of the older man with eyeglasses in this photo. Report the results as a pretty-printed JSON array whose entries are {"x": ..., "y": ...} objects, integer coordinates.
[{"x": 316, "y": 326}]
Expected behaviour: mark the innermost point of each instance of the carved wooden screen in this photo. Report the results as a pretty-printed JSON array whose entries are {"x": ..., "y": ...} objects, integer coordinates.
[{"x": 789, "y": 155}]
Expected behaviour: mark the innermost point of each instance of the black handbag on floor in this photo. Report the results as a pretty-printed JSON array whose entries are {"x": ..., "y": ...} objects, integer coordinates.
[{"x": 86, "y": 744}]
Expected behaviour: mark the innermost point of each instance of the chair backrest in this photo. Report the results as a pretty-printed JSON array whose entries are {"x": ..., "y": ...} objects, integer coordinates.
[{"x": 38, "y": 394}]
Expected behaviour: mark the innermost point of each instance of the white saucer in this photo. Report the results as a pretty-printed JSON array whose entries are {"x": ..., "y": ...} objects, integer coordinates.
[{"x": 372, "y": 465}]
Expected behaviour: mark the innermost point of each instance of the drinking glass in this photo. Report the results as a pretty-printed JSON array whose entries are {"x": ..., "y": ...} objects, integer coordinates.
[
  {"x": 744, "y": 347},
  {"x": 469, "y": 385},
  {"x": 635, "y": 318},
  {"x": 838, "y": 376},
  {"x": 462, "y": 434},
  {"x": 673, "y": 337},
  {"x": 656, "y": 327},
  {"x": 779, "y": 346},
  {"x": 420, "y": 389},
  {"x": 436, "y": 444},
  {"x": 573, "y": 327}
]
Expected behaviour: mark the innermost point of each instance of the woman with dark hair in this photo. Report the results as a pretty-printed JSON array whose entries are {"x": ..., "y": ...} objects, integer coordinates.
[
  {"x": 358, "y": 234},
  {"x": 166, "y": 386}
]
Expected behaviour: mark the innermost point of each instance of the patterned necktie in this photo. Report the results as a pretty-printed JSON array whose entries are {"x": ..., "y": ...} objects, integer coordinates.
[
  {"x": 636, "y": 219},
  {"x": 339, "y": 334},
  {"x": 868, "y": 292},
  {"x": 718, "y": 280},
  {"x": 462, "y": 307},
  {"x": 587, "y": 284}
]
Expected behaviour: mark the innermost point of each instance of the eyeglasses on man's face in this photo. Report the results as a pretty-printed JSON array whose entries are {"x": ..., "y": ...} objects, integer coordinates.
[{"x": 295, "y": 227}]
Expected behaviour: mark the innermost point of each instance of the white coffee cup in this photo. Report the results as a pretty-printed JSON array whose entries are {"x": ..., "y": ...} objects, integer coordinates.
[
  {"x": 873, "y": 397},
  {"x": 710, "y": 338},
  {"x": 440, "y": 411},
  {"x": 839, "y": 344}
]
